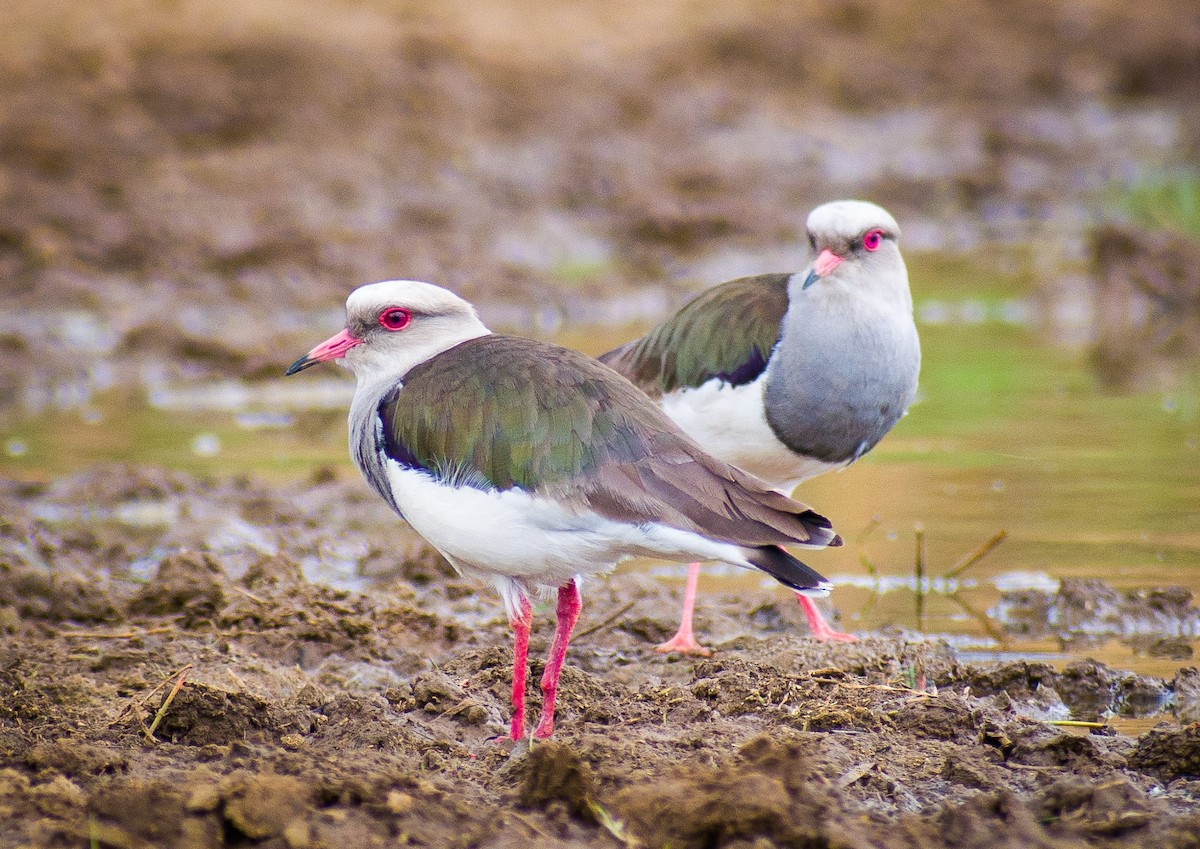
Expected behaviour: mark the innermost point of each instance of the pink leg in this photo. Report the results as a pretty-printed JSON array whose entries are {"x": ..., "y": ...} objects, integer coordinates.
[
  {"x": 821, "y": 629},
  {"x": 684, "y": 640},
  {"x": 520, "y": 626},
  {"x": 568, "y": 611}
]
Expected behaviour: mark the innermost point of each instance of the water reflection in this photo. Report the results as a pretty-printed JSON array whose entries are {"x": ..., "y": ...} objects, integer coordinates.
[{"x": 1147, "y": 295}]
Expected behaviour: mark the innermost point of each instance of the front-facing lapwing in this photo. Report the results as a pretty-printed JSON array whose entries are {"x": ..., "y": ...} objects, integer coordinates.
[
  {"x": 532, "y": 466},
  {"x": 789, "y": 376}
]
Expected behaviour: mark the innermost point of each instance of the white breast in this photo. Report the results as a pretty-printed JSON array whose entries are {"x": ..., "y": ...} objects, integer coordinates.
[{"x": 730, "y": 423}]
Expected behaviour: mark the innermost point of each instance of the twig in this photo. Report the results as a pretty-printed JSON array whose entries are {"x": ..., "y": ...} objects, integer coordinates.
[
  {"x": 162, "y": 711},
  {"x": 868, "y": 530},
  {"x": 977, "y": 554},
  {"x": 600, "y": 627},
  {"x": 140, "y": 702},
  {"x": 920, "y": 570},
  {"x": 1076, "y": 723}
]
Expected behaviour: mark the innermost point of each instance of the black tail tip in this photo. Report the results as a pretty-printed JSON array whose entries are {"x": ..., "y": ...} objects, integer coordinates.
[{"x": 789, "y": 571}]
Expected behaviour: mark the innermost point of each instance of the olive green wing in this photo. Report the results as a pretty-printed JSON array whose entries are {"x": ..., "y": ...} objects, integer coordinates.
[
  {"x": 500, "y": 412},
  {"x": 726, "y": 332},
  {"x": 504, "y": 412}
]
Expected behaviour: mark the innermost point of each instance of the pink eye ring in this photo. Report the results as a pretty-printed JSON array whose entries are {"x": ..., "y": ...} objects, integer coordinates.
[
  {"x": 395, "y": 318},
  {"x": 872, "y": 240}
]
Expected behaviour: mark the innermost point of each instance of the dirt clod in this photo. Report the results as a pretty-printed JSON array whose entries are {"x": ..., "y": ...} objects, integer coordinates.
[
  {"x": 187, "y": 583},
  {"x": 555, "y": 772},
  {"x": 293, "y": 714},
  {"x": 263, "y": 805},
  {"x": 1113, "y": 807},
  {"x": 1169, "y": 753}
]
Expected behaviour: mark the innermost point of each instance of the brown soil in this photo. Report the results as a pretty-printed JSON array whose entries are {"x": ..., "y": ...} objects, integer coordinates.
[
  {"x": 191, "y": 174},
  {"x": 309, "y": 716}
]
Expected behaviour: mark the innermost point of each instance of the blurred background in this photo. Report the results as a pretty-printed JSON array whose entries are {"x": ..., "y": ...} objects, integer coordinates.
[{"x": 191, "y": 187}]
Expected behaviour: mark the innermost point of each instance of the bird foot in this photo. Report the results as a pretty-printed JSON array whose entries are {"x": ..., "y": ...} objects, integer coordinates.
[
  {"x": 505, "y": 745},
  {"x": 827, "y": 634},
  {"x": 684, "y": 644}
]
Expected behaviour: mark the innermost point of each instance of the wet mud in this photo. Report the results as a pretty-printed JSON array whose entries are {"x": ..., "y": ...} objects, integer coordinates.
[
  {"x": 169, "y": 677},
  {"x": 188, "y": 189}
]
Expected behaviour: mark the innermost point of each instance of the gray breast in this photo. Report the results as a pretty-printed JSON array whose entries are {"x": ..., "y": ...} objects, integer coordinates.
[{"x": 837, "y": 385}]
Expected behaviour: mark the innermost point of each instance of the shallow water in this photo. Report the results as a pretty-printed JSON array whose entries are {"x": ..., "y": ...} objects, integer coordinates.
[{"x": 1010, "y": 433}]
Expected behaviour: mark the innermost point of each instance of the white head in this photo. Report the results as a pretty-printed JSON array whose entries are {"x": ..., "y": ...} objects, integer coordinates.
[
  {"x": 395, "y": 325},
  {"x": 850, "y": 217},
  {"x": 856, "y": 244}
]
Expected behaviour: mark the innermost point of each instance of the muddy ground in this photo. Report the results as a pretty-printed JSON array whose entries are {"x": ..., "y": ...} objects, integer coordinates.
[
  {"x": 310, "y": 716},
  {"x": 183, "y": 185}
]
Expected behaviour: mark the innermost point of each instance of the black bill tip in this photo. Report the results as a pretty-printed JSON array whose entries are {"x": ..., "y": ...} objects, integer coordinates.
[
  {"x": 812, "y": 278},
  {"x": 300, "y": 365}
]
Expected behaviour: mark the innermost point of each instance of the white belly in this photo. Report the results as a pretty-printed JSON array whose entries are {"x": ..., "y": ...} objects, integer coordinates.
[
  {"x": 523, "y": 541},
  {"x": 730, "y": 423}
]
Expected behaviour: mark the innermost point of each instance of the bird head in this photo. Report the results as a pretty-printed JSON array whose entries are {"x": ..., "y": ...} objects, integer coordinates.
[
  {"x": 395, "y": 325},
  {"x": 855, "y": 241}
]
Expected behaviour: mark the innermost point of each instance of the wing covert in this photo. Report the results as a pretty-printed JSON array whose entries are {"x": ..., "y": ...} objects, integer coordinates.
[{"x": 725, "y": 332}]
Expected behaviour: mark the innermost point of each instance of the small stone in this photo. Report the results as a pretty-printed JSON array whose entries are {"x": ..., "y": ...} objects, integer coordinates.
[
  {"x": 203, "y": 798},
  {"x": 10, "y": 620},
  {"x": 297, "y": 834},
  {"x": 400, "y": 803},
  {"x": 260, "y": 806},
  {"x": 471, "y": 712}
]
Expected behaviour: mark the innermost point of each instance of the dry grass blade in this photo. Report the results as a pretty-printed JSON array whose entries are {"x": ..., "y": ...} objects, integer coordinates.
[
  {"x": 530, "y": 824},
  {"x": 613, "y": 825},
  {"x": 869, "y": 529},
  {"x": 607, "y": 622},
  {"x": 162, "y": 711},
  {"x": 142, "y": 701}
]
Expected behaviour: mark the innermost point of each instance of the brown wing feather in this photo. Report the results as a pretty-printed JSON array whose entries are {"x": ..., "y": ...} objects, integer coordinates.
[
  {"x": 675, "y": 481},
  {"x": 505, "y": 412}
]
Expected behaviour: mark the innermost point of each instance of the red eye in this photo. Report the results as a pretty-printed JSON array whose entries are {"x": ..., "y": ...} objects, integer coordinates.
[
  {"x": 873, "y": 240},
  {"x": 395, "y": 318}
]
